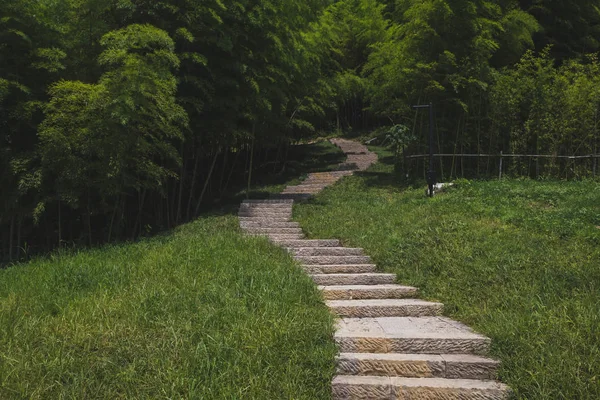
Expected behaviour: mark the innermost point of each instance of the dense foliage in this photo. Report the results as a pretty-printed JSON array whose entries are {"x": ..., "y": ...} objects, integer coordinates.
[{"x": 120, "y": 117}]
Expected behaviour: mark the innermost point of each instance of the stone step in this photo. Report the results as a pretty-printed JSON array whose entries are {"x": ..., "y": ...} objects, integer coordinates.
[
  {"x": 320, "y": 181},
  {"x": 353, "y": 279},
  {"x": 264, "y": 219},
  {"x": 265, "y": 210},
  {"x": 300, "y": 191},
  {"x": 310, "y": 185},
  {"x": 428, "y": 335},
  {"x": 331, "y": 173},
  {"x": 330, "y": 260},
  {"x": 268, "y": 201},
  {"x": 277, "y": 237},
  {"x": 349, "y": 292},
  {"x": 386, "y": 388},
  {"x": 327, "y": 251},
  {"x": 266, "y": 206},
  {"x": 294, "y": 244},
  {"x": 269, "y": 224},
  {"x": 274, "y": 230},
  {"x": 340, "y": 269},
  {"x": 451, "y": 366},
  {"x": 384, "y": 308},
  {"x": 265, "y": 214}
]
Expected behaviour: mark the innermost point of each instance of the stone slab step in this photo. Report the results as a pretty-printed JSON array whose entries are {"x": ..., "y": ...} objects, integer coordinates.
[
  {"x": 266, "y": 206},
  {"x": 301, "y": 191},
  {"x": 279, "y": 237},
  {"x": 331, "y": 173},
  {"x": 265, "y": 210},
  {"x": 386, "y": 388},
  {"x": 327, "y": 251},
  {"x": 353, "y": 279},
  {"x": 269, "y": 224},
  {"x": 274, "y": 230},
  {"x": 349, "y": 292},
  {"x": 321, "y": 181},
  {"x": 294, "y": 244},
  {"x": 264, "y": 219},
  {"x": 428, "y": 335},
  {"x": 340, "y": 269},
  {"x": 323, "y": 260},
  {"x": 384, "y": 308},
  {"x": 309, "y": 193},
  {"x": 265, "y": 214},
  {"x": 266, "y": 201},
  {"x": 451, "y": 366}
]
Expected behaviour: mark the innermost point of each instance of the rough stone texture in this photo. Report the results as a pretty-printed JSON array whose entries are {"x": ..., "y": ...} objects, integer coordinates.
[
  {"x": 339, "y": 269},
  {"x": 267, "y": 206},
  {"x": 264, "y": 219},
  {"x": 359, "y": 387},
  {"x": 327, "y": 251},
  {"x": 325, "y": 260},
  {"x": 293, "y": 244},
  {"x": 393, "y": 364},
  {"x": 269, "y": 214},
  {"x": 465, "y": 366},
  {"x": 275, "y": 237},
  {"x": 354, "y": 279},
  {"x": 453, "y": 366},
  {"x": 310, "y": 185},
  {"x": 269, "y": 224},
  {"x": 384, "y": 308},
  {"x": 274, "y": 230},
  {"x": 350, "y": 292},
  {"x": 428, "y": 335}
]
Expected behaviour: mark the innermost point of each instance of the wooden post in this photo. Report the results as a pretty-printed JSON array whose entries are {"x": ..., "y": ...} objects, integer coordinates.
[{"x": 500, "y": 169}]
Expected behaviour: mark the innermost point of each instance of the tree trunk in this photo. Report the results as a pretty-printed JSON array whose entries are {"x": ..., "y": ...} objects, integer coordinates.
[
  {"x": 191, "y": 196},
  {"x": 112, "y": 220},
  {"x": 208, "y": 178},
  {"x": 181, "y": 184},
  {"x": 235, "y": 161},
  {"x": 251, "y": 165},
  {"x": 138, "y": 220},
  {"x": 19, "y": 238},
  {"x": 59, "y": 224},
  {"x": 10, "y": 238}
]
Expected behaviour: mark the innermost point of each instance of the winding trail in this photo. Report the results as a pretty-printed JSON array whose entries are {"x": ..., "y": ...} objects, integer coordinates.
[{"x": 392, "y": 345}]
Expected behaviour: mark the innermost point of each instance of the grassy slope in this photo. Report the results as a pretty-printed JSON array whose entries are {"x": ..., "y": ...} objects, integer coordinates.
[
  {"x": 202, "y": 312},
  {"x": 518, "y": 260}
]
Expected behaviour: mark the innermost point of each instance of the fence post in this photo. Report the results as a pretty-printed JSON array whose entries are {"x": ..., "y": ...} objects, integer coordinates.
[{"x": 500, "y": 169}]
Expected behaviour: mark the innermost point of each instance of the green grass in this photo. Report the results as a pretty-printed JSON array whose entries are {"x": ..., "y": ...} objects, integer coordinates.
[
  {"x": 519, "y": 260},
  {"x": 200, "y": 313}
]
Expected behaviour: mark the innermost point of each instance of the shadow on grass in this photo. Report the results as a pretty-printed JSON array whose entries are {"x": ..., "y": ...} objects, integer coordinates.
[{"x": 267, "y": 179}]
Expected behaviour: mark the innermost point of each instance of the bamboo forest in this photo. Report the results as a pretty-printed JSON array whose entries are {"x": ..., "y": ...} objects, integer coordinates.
[{"x": 124, "y": 117}]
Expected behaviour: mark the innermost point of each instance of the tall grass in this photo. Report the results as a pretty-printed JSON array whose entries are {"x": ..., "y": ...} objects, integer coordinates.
[{"x": 203, "y": 312}]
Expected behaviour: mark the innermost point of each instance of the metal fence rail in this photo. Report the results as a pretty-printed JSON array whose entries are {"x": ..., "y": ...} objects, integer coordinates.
[{"x": 501, "y": 156}]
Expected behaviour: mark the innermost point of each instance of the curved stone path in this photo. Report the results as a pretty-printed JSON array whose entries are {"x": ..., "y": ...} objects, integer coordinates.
[{"x": 392, "y": 345}]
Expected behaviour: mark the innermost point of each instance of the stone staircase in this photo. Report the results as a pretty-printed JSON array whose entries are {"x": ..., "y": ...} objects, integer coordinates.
[{"x": 392, "y": 345}]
